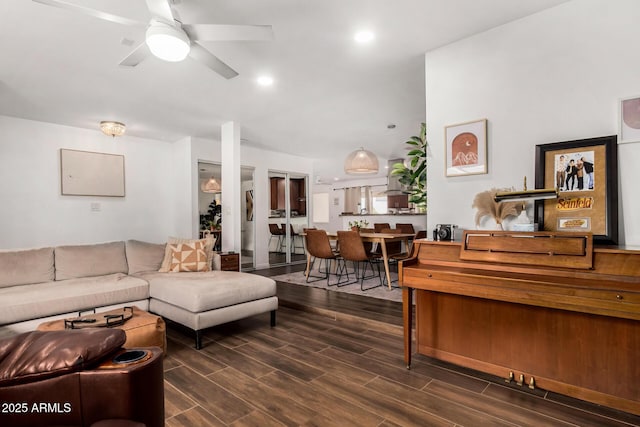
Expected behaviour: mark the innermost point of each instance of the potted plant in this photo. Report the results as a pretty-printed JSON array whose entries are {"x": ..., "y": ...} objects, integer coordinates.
[
  {"x": 213, "y": 218},
  {"x": 358, "y": 224},
  {"x": 413, "y": 173}
]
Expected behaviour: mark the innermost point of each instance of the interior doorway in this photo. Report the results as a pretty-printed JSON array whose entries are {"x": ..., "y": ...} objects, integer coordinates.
[
  {"x": 210, "y": 201},
  {"x": 287, "y": 217},
  {"x": 248, "y": 227}
]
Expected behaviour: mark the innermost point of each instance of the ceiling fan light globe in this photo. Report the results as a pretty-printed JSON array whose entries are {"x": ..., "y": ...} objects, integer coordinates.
[{"x": 168, "y": 42}]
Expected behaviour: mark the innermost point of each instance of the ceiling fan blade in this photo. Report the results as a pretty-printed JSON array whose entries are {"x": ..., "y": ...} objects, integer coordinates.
[
  {"x": 91, "y": 12},
  {"x": 136, "y": 56},
  {"x": 161, "y": 9},
  {"x": 214, "y": 32},
  {"x": 207, "y": 58}
]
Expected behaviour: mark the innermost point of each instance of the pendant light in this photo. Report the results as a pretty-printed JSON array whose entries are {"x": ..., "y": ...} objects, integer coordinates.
[
  {"x": 211, "y": 186},
  {"x": 361, "y": 162}
]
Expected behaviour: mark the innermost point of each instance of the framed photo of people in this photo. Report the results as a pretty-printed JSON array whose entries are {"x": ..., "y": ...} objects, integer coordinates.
[{"x": 585, "y": 174}]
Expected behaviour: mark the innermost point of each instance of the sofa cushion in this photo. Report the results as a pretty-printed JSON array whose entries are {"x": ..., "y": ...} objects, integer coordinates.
[
  {"x": 143, "y": 256},
  {"x": 24, "y": 267},
  {"x": 90, "y": 260},
  {"x": 26, "y": 302},
  {"x": 209, "y": 290},
  {"x": 166, "y": 262},
  {"x": 34, "y": 356},
  {"x": 187, "y": 257}
]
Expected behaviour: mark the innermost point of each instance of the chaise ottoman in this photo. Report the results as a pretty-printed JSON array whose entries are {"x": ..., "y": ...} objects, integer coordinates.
[
  {"x": 200, "y": 300},
  {"x": 142, "y": 329}
]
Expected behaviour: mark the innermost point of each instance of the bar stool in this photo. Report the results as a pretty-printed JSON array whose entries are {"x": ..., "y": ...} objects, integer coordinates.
[{"x": 278, "y": 232}]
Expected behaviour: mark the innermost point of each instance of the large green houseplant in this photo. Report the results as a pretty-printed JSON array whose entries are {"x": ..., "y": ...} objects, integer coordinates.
[{"x": 413, "y": 172}]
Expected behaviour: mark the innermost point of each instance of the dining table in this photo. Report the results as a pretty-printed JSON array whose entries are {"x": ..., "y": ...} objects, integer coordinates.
[{"x": 382, "y": 239}]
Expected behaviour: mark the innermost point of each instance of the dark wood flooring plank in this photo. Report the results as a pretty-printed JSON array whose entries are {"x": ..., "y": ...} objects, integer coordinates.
[
  {"x": 396, "y": 373},
  {"x": 256, "y": 419},
  {"x": 398, "y": 412},
  {"x": 241, "y": 362},
  {"x": 549, "y": 408},
  {"x": 188, "y": 356},
  {"x": 296, "y": 368},
  {"x": 421, "y": 366},
  {"x": 333, "y": 407},
  {"x": 290, "y": 338},
  {"x": 275, "y": 403},
  {"x": 496, "y": 408},
  {"x": 449, "y": 409},
  {"x": 333, "y": 337},
  {"x": 175, "y": 401},
  {"x": 210, "y": 396},
  {"x": 615, "y": 414},
  {"x": 329, "y": 364},
  {"x": 194, "y": 417}
]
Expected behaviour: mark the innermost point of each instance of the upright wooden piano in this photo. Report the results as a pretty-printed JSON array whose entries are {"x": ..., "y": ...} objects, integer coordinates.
[{"x": 546, "y": 309}]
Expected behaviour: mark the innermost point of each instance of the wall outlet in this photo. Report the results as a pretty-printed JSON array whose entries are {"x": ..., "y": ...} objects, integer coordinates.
[{"x": 95, "y": 207}]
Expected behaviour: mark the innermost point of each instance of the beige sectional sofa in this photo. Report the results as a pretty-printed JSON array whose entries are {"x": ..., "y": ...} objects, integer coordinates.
[{"x": 44, "y": 284}]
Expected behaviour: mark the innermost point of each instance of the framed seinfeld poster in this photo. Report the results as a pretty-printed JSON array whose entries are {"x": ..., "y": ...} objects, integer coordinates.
[{"x": 585, "y": 174}]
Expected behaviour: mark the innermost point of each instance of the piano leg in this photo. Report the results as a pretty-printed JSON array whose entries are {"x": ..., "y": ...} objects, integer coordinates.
[{"x": 407, "y": 318}]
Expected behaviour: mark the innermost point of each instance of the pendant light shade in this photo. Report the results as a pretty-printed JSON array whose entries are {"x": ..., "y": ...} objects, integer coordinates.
[
  {"x": 211, "y": 186},
  {"x": 361, "y": 162}
]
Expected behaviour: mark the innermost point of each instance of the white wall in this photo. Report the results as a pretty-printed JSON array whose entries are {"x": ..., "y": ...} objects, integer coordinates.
[
  {"x": 34, "y": 213},
  {"x": 553, "y": 76}
]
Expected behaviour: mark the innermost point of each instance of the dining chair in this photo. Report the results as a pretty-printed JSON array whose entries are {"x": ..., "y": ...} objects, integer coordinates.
[
  {"x": 394, "y": 259},
  {"x": 352, "y": 249},
  {"x": 406, "y": 228},
  {"x": 276, "y": 231},
  {"x": 379, "y": 226},
  {"x": 318, "y": 246},
  {"x": 368, "y": 246},
  {"x": 393, "y": 248}
]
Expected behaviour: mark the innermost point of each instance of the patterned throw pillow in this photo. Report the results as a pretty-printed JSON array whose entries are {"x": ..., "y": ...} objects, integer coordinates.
[
  {"x": 208, "y": 246},
  {"x": 188, "y": 257}
]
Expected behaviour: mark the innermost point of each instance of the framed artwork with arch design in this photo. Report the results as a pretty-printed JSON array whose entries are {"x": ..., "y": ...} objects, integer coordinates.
[{"x": 466, "y": 148}]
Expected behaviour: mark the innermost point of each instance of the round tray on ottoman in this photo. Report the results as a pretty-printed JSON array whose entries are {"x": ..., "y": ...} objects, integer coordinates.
[{"x": 143, "y": 329}]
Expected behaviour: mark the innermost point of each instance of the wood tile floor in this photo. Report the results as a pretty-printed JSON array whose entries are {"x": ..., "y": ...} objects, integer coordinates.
[{"x": 339, "y": 362}]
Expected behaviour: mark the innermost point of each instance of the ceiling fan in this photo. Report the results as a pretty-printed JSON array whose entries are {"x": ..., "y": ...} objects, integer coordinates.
[{"x": 170, "y": 40}]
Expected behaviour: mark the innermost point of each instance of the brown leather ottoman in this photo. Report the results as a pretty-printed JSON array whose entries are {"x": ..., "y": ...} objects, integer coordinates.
[{"x": 143, "y": 329}]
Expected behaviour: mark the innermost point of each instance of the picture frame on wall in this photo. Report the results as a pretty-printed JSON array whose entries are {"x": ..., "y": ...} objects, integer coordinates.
[
  {"x": 585, "y": 174},
  {"x": 629, "y": 120},
  {"x": 86, "y": 173},
  {"x": 466, "y": 148}
]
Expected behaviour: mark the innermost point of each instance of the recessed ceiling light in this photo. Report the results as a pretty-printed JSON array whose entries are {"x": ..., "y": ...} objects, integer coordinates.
[
  {"x": 335, "y": 178},
  {"x": 265, "y": 81},
  {"x": 364, "y": 37}
]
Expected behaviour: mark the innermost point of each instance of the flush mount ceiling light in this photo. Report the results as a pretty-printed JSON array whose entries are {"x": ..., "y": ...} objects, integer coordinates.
[
  {"x": 361, "y": 162},
  {"x": 211, "y": 186},
  {"x": 168, "y": 42},
  {"x": 112, "y": 128},
  {"x": 364, "y": 37}
]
